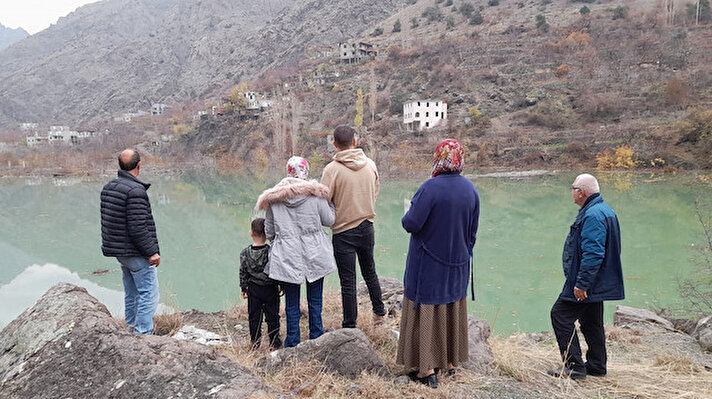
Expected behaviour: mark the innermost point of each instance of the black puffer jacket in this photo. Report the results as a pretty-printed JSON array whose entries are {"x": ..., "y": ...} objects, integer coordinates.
[{"x": 127, "y": 227}]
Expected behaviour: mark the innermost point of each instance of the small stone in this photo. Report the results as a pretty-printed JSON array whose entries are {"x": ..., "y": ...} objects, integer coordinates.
[
  {"x": 119, "y": 384},
  {"x": 402, "y": 380},
  {"x": 68, "y": 344},
  {"x": 216, "y": 389}
]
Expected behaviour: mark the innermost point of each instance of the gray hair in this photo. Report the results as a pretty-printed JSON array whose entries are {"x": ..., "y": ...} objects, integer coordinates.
[{"x": 587, "y": 183}]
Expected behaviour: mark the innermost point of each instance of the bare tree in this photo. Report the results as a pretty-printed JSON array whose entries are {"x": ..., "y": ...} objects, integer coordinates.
[
  {"x": 296, "y": 116},
  {"x": 278, "y": 121},
  {"x": 372, "y": 100}
]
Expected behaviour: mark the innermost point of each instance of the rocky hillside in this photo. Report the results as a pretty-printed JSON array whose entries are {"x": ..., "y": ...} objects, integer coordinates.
[
  {"x": 528, "y": 84},
  {"x": 9, "y": 36},
  {"x": 114, "y": 56}
]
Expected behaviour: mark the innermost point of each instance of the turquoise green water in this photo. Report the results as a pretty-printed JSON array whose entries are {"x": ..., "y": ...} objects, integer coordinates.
[{"x": 203, "y": 223}]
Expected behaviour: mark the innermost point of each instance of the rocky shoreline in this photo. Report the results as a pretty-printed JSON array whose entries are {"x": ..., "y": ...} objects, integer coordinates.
[{"x": 68, "y": 345}]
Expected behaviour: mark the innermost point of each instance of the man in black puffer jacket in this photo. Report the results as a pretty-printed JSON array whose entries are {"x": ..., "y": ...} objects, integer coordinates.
[{"x": 128, "y": 233}]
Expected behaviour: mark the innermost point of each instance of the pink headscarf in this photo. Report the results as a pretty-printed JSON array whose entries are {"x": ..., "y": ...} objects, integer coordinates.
[
  {"x": 298, "y": 167},
  {"x": 448, "y": 157}
]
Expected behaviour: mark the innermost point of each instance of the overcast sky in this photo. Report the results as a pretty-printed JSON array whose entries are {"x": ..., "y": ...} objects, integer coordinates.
[{"x": 36, "y": 15}]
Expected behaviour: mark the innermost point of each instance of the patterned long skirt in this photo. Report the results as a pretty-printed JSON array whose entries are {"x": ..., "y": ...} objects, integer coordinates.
[{"x": 431, "y": 336}]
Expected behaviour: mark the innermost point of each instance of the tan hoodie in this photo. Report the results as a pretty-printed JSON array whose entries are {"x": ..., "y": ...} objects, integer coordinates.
[{"x": 352, "y": 178}]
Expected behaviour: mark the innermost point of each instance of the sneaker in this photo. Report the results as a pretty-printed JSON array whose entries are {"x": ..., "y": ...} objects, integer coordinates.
[{"x": 567, "y": 372}]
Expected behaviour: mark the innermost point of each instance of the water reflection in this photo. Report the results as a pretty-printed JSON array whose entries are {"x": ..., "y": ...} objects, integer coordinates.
[
  {"x": 203, "y": 223},
  {"x": 25, "y": 289}
]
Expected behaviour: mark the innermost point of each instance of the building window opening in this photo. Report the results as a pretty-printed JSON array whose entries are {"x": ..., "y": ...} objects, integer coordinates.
[
  {"x": 427, "y": 124},
  {"x": 417, "y": 114}
]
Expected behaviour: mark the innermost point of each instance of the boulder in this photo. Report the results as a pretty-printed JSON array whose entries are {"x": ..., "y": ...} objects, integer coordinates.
[
  {"x": 480, "y": 353},
  {"x": 346, "y": 351},
  {"x": 703, "y": 333},
  {"x": 68, "y": 345},
  {"x": 626, "y": 315},
  {"x": 391, "y": 293}
]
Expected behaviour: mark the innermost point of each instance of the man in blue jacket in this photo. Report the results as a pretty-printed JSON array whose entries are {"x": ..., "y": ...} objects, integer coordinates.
[
  {"x": 128, "y": 233},
  {"x": 592, "y": 266}
]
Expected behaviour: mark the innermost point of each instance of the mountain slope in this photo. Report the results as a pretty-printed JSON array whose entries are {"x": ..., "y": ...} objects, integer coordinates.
[
  {"x": 117, "y": 55},
  {"x": 9, "y": 36}
]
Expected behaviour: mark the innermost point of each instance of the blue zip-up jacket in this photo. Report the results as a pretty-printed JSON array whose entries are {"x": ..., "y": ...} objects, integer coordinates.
[
  {"x": 442, "y": 221},
  {"x": 592, "y": 254}
]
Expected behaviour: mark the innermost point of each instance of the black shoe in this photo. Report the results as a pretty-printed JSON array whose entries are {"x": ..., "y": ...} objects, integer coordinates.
[
  {"x": 431, "y": 380},
  {"x": 594, "y": 373},
  {"x": 567, "y": 372}
]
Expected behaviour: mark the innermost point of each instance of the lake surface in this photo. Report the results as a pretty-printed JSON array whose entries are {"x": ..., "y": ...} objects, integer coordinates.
[{"x": 50, "y": 232}]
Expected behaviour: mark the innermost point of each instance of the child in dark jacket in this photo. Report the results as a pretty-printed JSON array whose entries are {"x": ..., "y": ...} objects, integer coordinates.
[{"x": 261, "y": 292}]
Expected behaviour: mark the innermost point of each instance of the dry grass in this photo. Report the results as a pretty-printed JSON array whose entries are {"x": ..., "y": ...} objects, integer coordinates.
[
  {"x": 636, "y": 369},
  {"x": 167, "y": 324}
]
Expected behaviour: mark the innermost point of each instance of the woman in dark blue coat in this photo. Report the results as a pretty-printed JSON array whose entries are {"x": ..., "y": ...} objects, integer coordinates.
[{"x": 442, "y": 221}]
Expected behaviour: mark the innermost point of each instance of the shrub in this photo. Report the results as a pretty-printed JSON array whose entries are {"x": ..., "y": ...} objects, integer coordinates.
[
  {"x": 562, "y": 70},
  {"x": 477, "y": 18},
  {"x": 677, "y": 92},
  {"x": 620, "y": 12},
  {"x": 696, "y": 126},
  {"x": 432, "y": 14},
  {"x": 448, "y": 3},
  {"x": 551, "y": 114},
  {"x": 397, "y": 26},
  {"x": 414, "y": 22},
  {"x": 601, "y": 105},
  {"x": 377, "y": 32},
  {"x": 493, "y": 3},
  {"x": 584, "y": 10},
  {"x": 467, "y": 9},
  {"x": 622, "y": 157},
  {"x": 541, "y": 24},
  {"x": 450, "y": 22}
]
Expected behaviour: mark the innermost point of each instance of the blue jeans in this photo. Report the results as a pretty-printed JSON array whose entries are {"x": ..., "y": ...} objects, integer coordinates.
[
  {"x": 291, "y": 308},
  {"x": 140, "y": 293}
]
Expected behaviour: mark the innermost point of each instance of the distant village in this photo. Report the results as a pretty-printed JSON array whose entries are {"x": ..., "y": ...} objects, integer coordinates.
[{"x": 418, "y": 114}]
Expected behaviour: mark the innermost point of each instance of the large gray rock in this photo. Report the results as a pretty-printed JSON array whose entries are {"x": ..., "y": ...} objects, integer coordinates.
[
  {"x": 346, "y": 351},
  {"x": 391, "y": 293},
  {"x": 68, "y": 345},
  {"x": 626, "y": 315},
  {"x": 703, "y": 333},
  {"x": 481, "y": 357}
]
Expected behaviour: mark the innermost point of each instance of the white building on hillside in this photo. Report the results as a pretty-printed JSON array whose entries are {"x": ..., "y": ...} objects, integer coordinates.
[
  {"x": 424, "y": 114},
  {"x": 158, "y": 109},
  {"x": 256, "y": 101}
]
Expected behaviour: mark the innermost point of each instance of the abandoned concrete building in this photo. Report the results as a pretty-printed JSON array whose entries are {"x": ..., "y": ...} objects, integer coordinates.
[
  {"x": 350, "y": 53},
  {"x": 424, "y": 114}
]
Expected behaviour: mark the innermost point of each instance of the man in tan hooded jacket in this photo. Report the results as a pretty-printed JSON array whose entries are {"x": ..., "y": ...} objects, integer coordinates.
[{"x": 352, "y": 178}]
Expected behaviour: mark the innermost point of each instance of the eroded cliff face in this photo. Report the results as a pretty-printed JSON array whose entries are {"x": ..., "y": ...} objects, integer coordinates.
[{"x": 115, "y": 56}]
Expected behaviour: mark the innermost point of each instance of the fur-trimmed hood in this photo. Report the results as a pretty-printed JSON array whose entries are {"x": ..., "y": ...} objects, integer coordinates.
[{"x": 291, "y": 188}]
